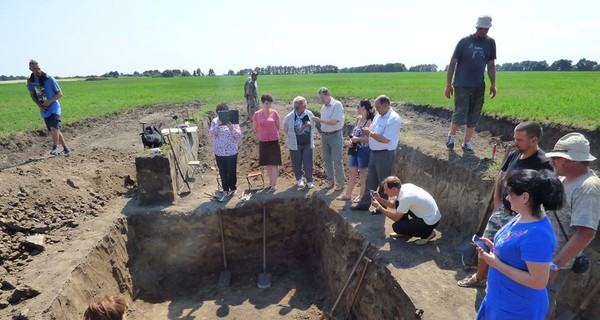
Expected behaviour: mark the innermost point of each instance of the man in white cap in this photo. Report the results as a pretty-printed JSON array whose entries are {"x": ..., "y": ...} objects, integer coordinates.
[
  {"x": 470, "y": 58},
  {"x": 578, "y": 219}
]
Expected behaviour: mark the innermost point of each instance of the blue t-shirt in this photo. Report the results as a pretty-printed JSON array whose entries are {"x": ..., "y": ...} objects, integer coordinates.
[
  {"x": 514, "y": 244},
  {"x": 45, "y": 92},
  {"x": 473, "y": 54}
]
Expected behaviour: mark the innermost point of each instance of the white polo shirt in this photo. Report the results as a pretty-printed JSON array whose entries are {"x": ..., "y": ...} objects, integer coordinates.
[
  {"x": 333, "y": 110},
  {"x": 387, "y": 125},
  {"x": 419, "y": 202}
]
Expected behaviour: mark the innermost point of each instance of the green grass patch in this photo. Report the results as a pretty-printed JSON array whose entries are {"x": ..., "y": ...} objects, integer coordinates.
[{"x": 569, "y": 98}]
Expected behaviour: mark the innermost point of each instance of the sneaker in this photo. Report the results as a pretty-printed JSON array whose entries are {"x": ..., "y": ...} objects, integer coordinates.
[
  {"x": 472, "y": 281},
  {"x": 310, "y": 185},
  {"x": 467, "y": 146},
  {"x": 54, "y": 151},
  {"x": 339, "y": 187},
  {"x": 66, "y": 151},
  {"x": 450, "y": 142},
  {"x": 300, "y": 183},
  {"x": 396, "y": 235},
  {"x": 421, "y": 242}
]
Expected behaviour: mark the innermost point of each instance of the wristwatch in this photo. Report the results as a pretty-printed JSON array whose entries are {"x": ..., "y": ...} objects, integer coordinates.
[{"x": 553, "y": 267}]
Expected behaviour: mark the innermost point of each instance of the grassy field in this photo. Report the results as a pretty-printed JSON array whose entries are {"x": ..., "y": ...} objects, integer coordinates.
[{"x": 570, "y": 98}]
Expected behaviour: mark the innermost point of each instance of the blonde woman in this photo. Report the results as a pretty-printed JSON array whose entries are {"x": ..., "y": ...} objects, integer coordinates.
[{"x": 299, "y": 126}]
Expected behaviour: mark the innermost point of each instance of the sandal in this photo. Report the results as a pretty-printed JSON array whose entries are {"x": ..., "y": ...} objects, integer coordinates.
[
  {"x": 343, "y": 198},
  {"x": 356, "y": 199}
]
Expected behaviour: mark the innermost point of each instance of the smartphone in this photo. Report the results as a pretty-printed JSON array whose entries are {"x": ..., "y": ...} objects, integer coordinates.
[
  {"x": 372, "y": 192},
  {"x": 477, "y": 241}
]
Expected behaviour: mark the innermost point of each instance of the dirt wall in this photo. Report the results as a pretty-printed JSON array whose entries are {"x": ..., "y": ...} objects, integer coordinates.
[
  {"x": 173, "y": 252},
  {"x": 503, "y": 127},
  {"x": 103, "y": 272}
]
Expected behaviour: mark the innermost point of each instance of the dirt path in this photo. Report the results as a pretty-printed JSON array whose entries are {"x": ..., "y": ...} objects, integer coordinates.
[{"x": 55, "y": 196}]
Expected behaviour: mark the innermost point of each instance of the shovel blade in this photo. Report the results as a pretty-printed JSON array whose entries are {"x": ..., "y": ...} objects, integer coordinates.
[
  {"x": 264, "y": 280},
  {"x": 225, "y": 278}
]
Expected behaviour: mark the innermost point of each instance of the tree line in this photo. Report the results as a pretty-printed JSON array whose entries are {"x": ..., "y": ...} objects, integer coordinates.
[{"x": 527, "y": 65}]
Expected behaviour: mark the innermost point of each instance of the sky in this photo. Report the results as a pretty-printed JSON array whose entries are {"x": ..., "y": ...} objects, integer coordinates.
[{"x": 86, "y": 37}]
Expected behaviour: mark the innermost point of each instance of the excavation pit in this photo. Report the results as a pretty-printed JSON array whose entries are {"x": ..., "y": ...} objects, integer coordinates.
[{"x": 167, "y": 264}]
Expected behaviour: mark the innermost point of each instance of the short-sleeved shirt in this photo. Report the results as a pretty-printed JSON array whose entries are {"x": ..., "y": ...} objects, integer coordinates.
[
  {"x": 581, "y": 209},
  {"x": 334, "y": 110},
  {"x": 266, "y": 125},
  {"x": 473, "y": 54},
  {"x": 225, "y": 141},
  {"x": 418, "y": 201},
  {"x": 387, "y": 125},
  {"x": 44, "y": 92},
  {"x": 537, "y": 161},
  {"x": 250, "y": 88},
  {"x": 515, "y": 244}
]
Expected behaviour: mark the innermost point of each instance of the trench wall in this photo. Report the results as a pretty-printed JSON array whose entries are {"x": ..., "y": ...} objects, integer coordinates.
[
  {"x": 173, "y": 252},
  {"x": 503, "y": 127},
  {"x": 103, "y": 272},
  {"x": 157, "y": 175}
]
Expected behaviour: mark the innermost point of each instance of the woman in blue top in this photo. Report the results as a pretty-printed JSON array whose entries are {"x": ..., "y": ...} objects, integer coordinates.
[{"x": 521, "y": 253}]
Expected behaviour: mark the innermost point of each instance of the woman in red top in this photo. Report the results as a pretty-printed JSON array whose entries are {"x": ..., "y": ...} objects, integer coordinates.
[{"x": 265, "y": 123}]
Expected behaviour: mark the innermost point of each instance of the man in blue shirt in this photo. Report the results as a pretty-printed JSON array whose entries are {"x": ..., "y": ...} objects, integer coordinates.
[
  {"x": 45, "y": 92},
  {"x": 470, "y": 58}
]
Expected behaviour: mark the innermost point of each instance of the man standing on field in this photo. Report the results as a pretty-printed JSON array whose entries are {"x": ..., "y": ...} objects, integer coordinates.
[
  {"x": 45, "y": 92},
  {"x": 251, "y": 94},
  {"x": 471, "y": 55}
]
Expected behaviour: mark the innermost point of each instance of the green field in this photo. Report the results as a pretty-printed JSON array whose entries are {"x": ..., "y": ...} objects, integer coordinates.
[{"x": 570, "y": 98}]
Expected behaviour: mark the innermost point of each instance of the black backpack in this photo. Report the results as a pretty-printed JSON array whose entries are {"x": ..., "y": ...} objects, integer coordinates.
[{"x": 152, "y": 137}]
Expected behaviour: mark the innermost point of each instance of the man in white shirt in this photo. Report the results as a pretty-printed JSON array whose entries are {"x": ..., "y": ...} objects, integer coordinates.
[
  {"x": 414, "y": 212},
  {"x": 383, "y": 134},
  {"x": 332, "y": 141}
]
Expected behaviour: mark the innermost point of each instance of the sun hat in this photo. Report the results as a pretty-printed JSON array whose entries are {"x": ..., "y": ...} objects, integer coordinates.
[
  {"x": 573, "y": 146},
  {"x": 484, "y": 22}
]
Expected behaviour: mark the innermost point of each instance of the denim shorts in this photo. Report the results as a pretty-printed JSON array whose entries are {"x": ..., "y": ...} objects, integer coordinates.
[
  {"x": 468, "y": 103},
  {"x": 52, "y": 121},
  {"x": 361, "y": 158}
]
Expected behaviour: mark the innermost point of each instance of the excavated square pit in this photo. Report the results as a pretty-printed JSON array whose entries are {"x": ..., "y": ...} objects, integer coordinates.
[{"x": 167, "y": 264}]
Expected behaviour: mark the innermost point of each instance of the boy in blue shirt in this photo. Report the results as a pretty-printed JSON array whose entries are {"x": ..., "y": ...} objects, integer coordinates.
[{"x": 45, "y": 92}]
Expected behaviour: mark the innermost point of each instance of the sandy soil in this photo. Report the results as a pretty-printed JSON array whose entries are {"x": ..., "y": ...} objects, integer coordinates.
[{"x": 56, "y": 195}]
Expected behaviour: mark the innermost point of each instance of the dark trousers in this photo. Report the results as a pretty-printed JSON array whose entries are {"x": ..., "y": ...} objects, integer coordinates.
[
  {"x": 228, "y": 171},
  {"x": 380, "y": 167},
  {"x": 411, "y": 225},
  {"x": 302, "y": 159}
]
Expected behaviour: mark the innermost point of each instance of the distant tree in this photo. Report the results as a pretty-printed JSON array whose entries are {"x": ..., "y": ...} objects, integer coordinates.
[
  {"x": 136, "y": 74},
  {"x": 194, "y": 73},
  {"x": 168, "y": 73},
  {"x": 185, "y": 73},
  {"x": 211, "y": 72},
  {"x": 111, "y": 74},
  {"x": 585, "y": 65},
  {"x": 424, "y": 68},
  {"x": 199, "y": 73},
  {"x": 230, "y": 72},
  {"x": 562, "y": 65}
]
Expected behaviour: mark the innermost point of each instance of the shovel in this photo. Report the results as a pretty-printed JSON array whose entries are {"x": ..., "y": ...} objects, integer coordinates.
[
  {"x": 264, "y": 278},
  {"x": 225, "y": 276}
]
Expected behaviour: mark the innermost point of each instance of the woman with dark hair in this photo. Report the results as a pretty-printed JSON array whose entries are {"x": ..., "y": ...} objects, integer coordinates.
[
  {"x": 359, "y": 151},
  {"x": 225, "y": 146},
  {"x": 106, "y": 308},
  {"x": 266, "y": 126},
  {"x": 521, "y": 253}
]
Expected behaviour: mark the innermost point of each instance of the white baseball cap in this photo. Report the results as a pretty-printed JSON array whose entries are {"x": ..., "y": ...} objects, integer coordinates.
[
  {"x": 484, "y": 22},
  {"x": 573, "y": 146}
]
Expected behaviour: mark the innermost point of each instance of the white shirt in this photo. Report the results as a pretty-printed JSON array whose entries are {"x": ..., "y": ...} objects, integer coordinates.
[
  {"x": 387, "y": 125},
  {"x": 333, "y": 110},
  {"x": 419, "y": 202}
]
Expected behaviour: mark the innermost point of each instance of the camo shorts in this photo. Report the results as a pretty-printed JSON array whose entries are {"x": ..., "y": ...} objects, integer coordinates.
[
  {"x": 496, "y": 221},
  {"x": 253, "y": 104}
]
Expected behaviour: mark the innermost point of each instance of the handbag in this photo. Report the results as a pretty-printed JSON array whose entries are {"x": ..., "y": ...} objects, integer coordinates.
[
  {"x": 582, "y": 262},
  {"x": 353, "y": 150}
]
